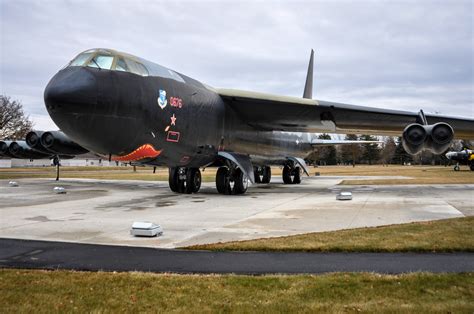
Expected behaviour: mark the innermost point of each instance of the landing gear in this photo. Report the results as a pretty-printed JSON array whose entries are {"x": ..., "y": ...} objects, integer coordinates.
[
  {"x": 184, "y": 180},
  {"x": 291, "y": 175},
  {"x": 231, "y": 181},
  {"x": 262, "y": 174},
  {"x": 471, "y": 166},
  {"x": 456, "y": 167}
]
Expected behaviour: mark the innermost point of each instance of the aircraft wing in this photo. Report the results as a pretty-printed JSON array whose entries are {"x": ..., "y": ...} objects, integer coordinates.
[
  {"x": 293, "y": 114},
  {"x": 320, "y": 142}
]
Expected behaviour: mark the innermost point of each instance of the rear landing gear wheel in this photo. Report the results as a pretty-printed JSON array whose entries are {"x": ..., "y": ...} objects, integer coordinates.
[
  {"x": 287, "y": 175},
  {"x": 256, "y": 173},
  {"x": 241, "y": 183},
  {"x": 471, "y": 166},
  {"x": 231, "y": 181},
  {"x": 222, "y": 180},
  {"x": 291, "y": 175},
  {"x": 267, "y": 174}
]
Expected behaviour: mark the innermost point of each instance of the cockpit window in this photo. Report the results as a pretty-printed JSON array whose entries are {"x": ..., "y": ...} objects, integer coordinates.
[
  {"x": 137, "y": 68},
  {"x": 101, "y": 61},
  {"x": 121, "y": 65},
  {"x": 81, "y": 59},
  {"x": 112, "y": 60}
]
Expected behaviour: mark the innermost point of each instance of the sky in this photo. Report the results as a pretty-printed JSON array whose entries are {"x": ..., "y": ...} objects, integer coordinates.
[{"x": 406, "y": 55}]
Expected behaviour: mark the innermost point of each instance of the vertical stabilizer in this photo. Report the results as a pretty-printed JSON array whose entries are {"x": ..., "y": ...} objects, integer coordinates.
[{"x": 308, "y": 87}]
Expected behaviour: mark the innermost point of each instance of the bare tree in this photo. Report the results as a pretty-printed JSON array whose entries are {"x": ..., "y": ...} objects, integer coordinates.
[{"x": 14, "y": 124}]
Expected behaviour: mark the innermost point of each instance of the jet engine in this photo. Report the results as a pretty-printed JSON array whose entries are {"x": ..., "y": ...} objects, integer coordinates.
[
  {"x": 58, "y": 142},
  {"x": 33, "y": 139},
  {"x": 4, "y": 149},
  {"x": 21, "y": 150},
  {"x": 436, "y": 137}
]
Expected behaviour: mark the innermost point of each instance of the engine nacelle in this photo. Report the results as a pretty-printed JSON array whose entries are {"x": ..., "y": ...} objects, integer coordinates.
[
  {"x": 4, "y": 149},
  {"x": 21, "y": 150},
  {"x": 59, "y": 143},
  {"x": 436, "y": 137},
  {"x": 33, "y": 139}
]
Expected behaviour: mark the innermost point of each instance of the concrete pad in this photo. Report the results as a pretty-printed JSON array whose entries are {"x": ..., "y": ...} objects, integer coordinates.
[{"x": 102, "y": 211}]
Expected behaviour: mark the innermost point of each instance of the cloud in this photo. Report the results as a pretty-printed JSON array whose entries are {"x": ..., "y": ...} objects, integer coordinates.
[{"x": 406, "y": 55}]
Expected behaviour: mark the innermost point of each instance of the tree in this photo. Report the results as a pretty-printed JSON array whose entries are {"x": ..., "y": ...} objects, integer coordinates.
[
  {"x": 401, "y": 156},
  {"x": 370, "y": 151},
  {"x": 350, "y": 153},
  {"x": 388, "y": 150},
  {"x": 14, "y": 124},
  {"x": 327, "y": 153}
]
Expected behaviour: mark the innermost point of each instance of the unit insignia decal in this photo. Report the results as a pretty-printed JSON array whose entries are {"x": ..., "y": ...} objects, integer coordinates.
[{"x": 162, "y": 102}]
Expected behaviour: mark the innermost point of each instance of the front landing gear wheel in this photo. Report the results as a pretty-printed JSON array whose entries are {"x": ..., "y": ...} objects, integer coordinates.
[
  {"x": 193, "y": 180},
  {"x": 184, "y": 180},
  {"x": 173, "y": 179},
  {"x": 456, "y": 167}
]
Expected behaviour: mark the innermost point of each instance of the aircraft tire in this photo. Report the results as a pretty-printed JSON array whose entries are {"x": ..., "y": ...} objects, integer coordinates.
[
  {"x": 297, "y": 176},
  {"x": 256, "y": 174},
  {"x": 222, "y": 180},
  {"x": 267, "y": 174},
  {"x": 173, "y": 179},
  {"x": 193, "y": 180},
  {"x": 286, "y": 174},
  {"x": 471, "y": 166},
  {"x": 456, "y": 168},
  {"x": 241, "y": 182}
]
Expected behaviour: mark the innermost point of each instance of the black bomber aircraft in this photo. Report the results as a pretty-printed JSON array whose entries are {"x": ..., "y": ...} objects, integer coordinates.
[{"x": 128, "y": 109}]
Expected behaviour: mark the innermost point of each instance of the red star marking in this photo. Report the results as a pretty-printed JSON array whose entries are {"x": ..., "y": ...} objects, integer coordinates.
[{"x": 173, "y": 120}]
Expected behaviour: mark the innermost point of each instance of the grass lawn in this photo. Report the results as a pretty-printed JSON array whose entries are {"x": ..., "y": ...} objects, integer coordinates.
[
  {"x": 447, "y": 235},
  {"x": 66, "y": 291},
  {"x": 417, "y": 174}
]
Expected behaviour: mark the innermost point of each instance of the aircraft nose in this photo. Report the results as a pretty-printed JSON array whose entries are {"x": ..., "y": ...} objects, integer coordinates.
[{"x": 71, "y": 90}]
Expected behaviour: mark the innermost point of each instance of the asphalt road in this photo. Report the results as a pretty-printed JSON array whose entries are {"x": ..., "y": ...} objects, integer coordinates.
[{"x": 16, "y": 253}]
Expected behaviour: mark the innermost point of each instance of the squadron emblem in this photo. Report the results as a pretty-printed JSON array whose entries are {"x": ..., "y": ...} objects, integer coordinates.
[{"x": 162, "y": 102}]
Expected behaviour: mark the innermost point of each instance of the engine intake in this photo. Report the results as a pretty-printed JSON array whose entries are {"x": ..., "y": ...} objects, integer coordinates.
[
  {"x": 21, "y": 150},
  {"x": 59, "y": 143},
  {"x": 436, "y": 137}
]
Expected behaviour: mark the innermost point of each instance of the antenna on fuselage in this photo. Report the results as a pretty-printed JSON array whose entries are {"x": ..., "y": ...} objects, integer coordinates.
[{"x": 308, "y": 87}]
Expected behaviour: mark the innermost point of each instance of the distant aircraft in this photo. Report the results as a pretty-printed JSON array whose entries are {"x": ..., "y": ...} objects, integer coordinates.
[
  {"x": 128, "y": 109},
  {"x": 463, "y": 157}
]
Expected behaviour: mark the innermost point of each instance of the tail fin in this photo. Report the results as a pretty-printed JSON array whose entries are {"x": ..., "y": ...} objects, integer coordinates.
[{"x": 308, "y": 87}]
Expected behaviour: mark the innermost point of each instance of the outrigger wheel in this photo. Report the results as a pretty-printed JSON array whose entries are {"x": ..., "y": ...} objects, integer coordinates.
[
  {"x": 291, "y": 175},
  {"x": 231, "y": 181},
  {"x": 184, "y": 180}
]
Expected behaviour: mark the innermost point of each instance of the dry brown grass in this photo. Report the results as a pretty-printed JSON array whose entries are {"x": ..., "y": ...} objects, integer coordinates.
[
  {"x": 28, "y": 291},
  {"x": 447, "y": 235},
  {"x": 417, "y": 174}
]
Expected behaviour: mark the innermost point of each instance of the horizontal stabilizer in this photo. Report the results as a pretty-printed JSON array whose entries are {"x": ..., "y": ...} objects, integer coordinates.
[{"x": 319, "y": 142}]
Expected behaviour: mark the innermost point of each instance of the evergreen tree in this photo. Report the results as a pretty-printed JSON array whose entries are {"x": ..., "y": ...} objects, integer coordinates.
[
  {"x": 371, "y": 151},
  {"x": 388, "y": 150},
  {"x": 350, "y": 154},
  {"x": 327, "y": 154},
  {"x": 401, "y": 156}
]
